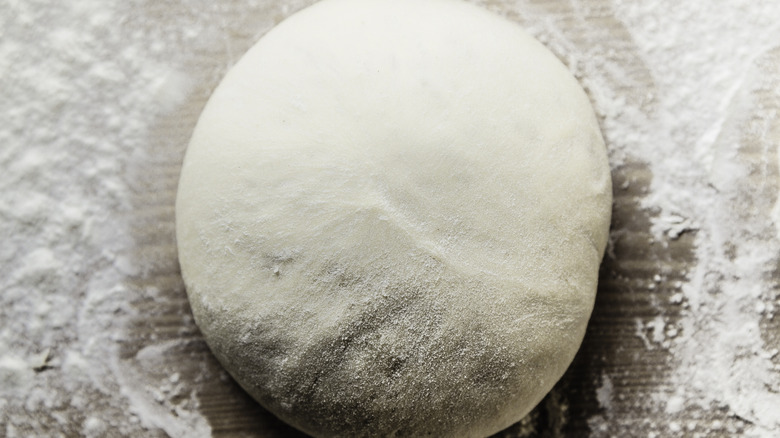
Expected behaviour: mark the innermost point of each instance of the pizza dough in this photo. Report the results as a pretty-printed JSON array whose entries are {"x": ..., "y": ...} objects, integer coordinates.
[{"x": 390, "y": 219}]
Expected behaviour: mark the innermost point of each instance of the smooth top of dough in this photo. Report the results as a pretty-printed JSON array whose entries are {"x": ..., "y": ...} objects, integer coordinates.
[{"x": 390, "y": 219}]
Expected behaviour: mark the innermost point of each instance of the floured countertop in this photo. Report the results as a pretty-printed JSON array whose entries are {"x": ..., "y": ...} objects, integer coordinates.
[{"x": 99, "y": 99}]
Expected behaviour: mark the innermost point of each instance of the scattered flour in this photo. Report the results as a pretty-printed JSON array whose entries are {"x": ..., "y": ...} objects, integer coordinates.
[
  {"x": 84, "y": 93},
  {"x": 712, "y": 136},
  {"x": 79, "y": 98},
  {"x": 599, "y": 424}
]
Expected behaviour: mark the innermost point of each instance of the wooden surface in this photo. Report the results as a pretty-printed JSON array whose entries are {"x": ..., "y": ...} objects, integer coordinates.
[{"x": 164, "y": 358}]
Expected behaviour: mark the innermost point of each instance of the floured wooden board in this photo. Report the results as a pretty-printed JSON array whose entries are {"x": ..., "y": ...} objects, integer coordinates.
[{"x": 100, "y": 98}]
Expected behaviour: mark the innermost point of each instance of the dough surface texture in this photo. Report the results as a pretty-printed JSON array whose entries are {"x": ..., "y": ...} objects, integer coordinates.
[{"x": 391, "y": 217}]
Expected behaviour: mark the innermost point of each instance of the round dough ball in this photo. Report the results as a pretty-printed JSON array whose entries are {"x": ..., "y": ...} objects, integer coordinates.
[{"x": 391, "y": 217}]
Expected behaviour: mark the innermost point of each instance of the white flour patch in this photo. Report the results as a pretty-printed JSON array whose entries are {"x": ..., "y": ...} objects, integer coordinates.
[
  {"x": 79, "y": 98},
  {"x": 707, "y": 69}
]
